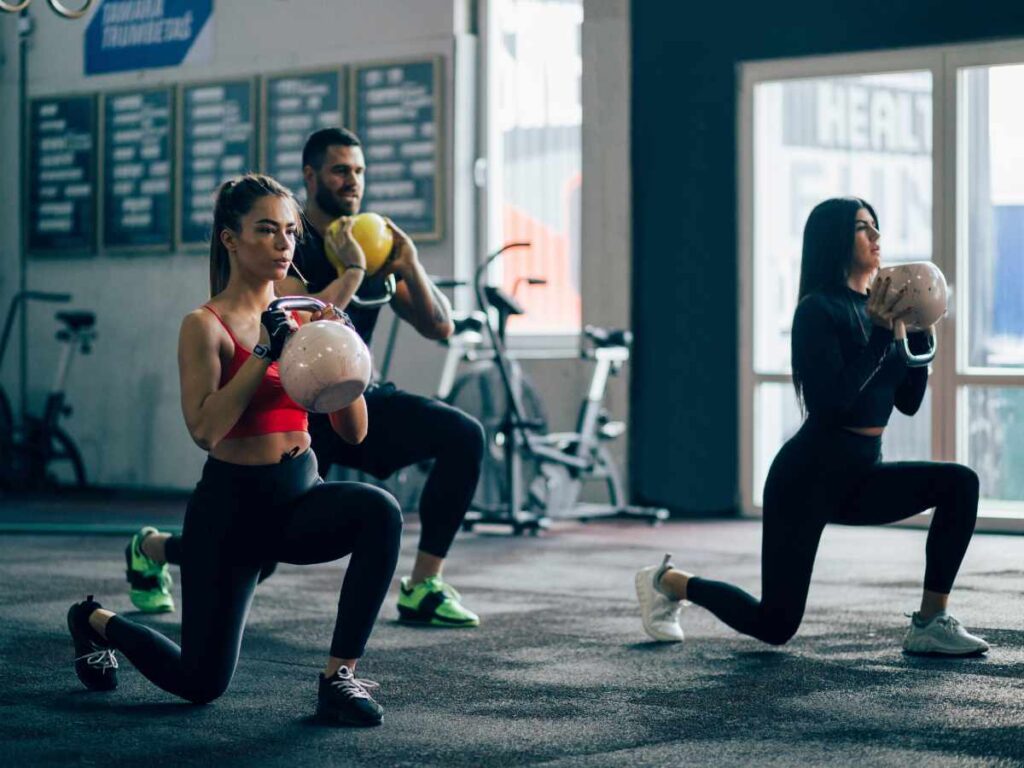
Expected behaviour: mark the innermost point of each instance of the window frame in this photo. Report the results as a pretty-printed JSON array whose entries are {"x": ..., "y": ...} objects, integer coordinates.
[
  {"x": 488, "y": 178},
  {"x": 949, "y": 378}
]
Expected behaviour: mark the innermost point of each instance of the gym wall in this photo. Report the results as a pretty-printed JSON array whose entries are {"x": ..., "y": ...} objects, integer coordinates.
[
  {"x": 127, "y": 417},
  {"x": 10, "y": 231},
  {"x": 685, "y": 449}
]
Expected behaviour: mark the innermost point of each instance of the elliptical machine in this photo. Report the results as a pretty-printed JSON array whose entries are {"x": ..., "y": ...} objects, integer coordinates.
[{"x": 561, "y": 463}]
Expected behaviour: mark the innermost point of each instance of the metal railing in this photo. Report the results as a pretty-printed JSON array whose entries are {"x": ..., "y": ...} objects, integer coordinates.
[{"x": 60, "y": 7}]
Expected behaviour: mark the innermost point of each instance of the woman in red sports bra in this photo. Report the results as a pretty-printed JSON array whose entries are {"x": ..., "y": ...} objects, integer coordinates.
[{"x": 260, "y": 498}]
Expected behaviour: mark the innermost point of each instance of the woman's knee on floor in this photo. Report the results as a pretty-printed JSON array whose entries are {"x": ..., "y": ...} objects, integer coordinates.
[
  {"x": 778, "y": 629},
  {"x": 207, "y": 687}
]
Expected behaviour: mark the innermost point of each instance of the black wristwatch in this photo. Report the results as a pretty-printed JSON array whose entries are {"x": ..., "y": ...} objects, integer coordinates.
[{"x": 261, "y": 351}]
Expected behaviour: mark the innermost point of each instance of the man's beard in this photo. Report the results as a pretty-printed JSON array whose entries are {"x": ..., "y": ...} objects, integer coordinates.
[{"x": 330, "y": 204}]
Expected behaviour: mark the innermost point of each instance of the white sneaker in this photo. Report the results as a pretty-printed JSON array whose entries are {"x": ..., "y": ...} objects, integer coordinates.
[
  {"x": 660, "y": 615},
  {"x": 941, "y": 634}
]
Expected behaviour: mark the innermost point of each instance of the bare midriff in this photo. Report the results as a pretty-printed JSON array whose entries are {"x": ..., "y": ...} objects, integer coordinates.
[
  {"x": 866, "y": 431},
  {"x": 261, "y": 449}
]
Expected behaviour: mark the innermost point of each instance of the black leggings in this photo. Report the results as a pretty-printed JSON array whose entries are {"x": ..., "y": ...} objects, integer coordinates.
[
  {"x": 406, "y": 429},
  {"x": 240, "y": 517},
  {"x": 831, "y": 475}
]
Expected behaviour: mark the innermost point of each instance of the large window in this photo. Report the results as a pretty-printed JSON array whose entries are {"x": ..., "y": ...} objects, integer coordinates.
[
  {"x": 814, "y": 138},
  {"x": 534, "y": 160},
  {"x": 990, "y": 258},
  {"x": 932, "y": 139}
]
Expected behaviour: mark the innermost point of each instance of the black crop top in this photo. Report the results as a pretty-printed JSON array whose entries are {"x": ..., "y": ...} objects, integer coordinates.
[{"x": 852, "y": 373}]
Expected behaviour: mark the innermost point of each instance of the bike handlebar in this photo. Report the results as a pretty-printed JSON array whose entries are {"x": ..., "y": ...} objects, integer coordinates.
[
  {"x": 482, "y": 267},
  {"x": 449, "y": 282}
]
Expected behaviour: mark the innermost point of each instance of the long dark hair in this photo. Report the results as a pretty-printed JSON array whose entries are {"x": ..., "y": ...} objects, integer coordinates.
[
  {"x": 828, "y": 253},
  {"x": 235, "y": 198}
]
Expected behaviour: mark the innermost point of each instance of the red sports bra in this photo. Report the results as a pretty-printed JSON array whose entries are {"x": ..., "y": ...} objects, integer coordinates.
[{"x": 271, "y": 409}]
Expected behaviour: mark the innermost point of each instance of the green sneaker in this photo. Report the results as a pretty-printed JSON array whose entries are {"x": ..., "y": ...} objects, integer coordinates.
[
  {"x": 434, "y": 603},
  {"x": 150, "y": 581}
]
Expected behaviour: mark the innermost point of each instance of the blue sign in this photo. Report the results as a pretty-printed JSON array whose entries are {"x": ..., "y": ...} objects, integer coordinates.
[{"x": 126, "y": 35}]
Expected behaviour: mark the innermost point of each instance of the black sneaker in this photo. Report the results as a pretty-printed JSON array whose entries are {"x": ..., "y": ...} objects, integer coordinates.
[
  {"x": 95, "y": 662},
  {"x": 346, "y": 701}
]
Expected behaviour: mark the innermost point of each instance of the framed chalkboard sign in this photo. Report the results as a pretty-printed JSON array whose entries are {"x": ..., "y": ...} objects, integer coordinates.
[
  {"x": 294, "y": 105},
  {"x": 61, "y": 191},
  {"x": 137, "y": 199},
  {"x": 397, "y": 110},
  {"x": 217, "y": 140}
]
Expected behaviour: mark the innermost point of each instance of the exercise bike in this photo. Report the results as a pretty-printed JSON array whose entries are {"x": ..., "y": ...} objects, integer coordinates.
[
  {"x": 543, "y": 473},
  {"x": 470, "y": 381},
  {"x": 38, "y": 454}
]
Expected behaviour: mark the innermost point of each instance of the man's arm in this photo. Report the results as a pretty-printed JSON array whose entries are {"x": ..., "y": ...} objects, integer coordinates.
[
  {"x": 417, "y": 300},
  {"x": 338, "y": 292},
  {"x": 421, "y": 304}
]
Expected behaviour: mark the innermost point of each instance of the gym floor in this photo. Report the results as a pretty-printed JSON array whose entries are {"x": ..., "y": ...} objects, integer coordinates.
[{"x": 559, "y": 673}]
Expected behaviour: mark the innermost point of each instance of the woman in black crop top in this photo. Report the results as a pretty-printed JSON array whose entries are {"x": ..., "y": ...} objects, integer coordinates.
[
  {"x": 848, "y": 377},
  {"x": 260, "y": 498}
]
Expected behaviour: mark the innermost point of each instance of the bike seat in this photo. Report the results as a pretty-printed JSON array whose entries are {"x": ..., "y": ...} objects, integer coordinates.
[
  {"x": 473, "y": 322},
  {"x": 502, "y": 302},
  {"x": 77, "y": 320},
  {"x": 608, "y": 337}
]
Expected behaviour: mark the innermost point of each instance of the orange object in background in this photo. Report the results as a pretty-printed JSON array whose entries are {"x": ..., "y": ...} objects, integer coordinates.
[{"x": 551, "y": 308}]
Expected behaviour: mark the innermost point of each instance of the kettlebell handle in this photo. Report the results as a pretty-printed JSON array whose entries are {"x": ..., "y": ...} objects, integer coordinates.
[
  {"x": 301, "y": 303},
  {"x": 903, "y": 345},
  {"x": 377, "y": 301},
  {"x": 309, "y": 304}
]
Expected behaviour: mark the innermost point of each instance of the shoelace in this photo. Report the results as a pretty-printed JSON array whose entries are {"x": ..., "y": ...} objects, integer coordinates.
[
  {"x": 669, "y": 609},
  {"x": 355, "y": 687},
  {"x": 947, "y": 622},
  {"x": 103, "y": 658},
  {"x": 367, "y": 685}
]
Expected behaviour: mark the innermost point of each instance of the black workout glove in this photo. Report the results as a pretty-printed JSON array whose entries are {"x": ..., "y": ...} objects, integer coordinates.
[{"x": 276, "y": 323}]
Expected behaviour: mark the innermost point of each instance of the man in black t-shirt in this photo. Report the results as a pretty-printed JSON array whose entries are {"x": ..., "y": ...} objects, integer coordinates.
[{"x": 404, "y": 429}]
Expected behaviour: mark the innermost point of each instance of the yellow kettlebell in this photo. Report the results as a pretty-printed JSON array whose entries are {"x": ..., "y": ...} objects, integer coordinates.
[{"x": 373, "y": 235}]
